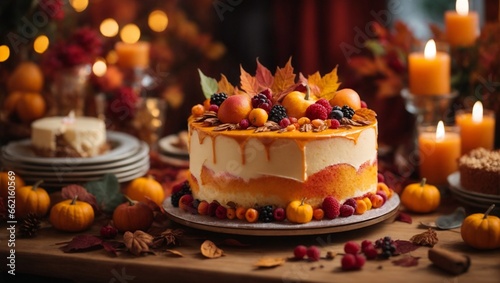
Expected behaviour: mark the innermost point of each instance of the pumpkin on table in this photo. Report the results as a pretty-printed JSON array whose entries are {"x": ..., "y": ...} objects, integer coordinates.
[
  {"x": 421, "y": 197},
  {"x": 481, "y": 231},
  {"x": 145, "y": 187},
  {"x": 32, "y": 199},
  {"x": 72, "y": 215},
  {"x": 132, "y": 215}
]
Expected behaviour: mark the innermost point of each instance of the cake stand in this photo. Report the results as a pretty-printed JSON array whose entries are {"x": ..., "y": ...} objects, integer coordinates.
[{"x": 285, "y": 228}]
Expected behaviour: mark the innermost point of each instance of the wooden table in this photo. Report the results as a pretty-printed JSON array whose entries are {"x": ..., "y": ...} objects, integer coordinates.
[{"x": 41, "y": 256}]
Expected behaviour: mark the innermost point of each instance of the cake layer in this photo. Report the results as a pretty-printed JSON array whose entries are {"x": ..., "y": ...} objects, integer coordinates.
[
  {"x": 249, "y": 168},
  {"x": 86, "y": 136}
]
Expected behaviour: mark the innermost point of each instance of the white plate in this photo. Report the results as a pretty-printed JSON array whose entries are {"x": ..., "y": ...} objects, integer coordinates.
[
  {"x": 285, "y": 228},
  {"x": 167, "y": 145},
  {"x": 174, "y": 161},
  {"x": 454, "y": 181},
  {"x": 122, "y": 146},
  {"x": 135, "y": 157}
]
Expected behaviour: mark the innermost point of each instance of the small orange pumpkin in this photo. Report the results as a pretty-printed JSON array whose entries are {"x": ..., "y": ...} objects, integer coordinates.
[
  {"x": 72, "y": 215},
  {"x": 481, "y": 231},
  {"x": 421, "y": 197},
  {"x": 298, "y": 211},
  {"x": 143, "y": 187},
  {"x": 32, "y": 199},
  {"x": 132, "y": 215}
]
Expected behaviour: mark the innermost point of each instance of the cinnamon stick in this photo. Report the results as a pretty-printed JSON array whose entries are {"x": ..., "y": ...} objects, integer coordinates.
[{"x": 449, "y": 261}]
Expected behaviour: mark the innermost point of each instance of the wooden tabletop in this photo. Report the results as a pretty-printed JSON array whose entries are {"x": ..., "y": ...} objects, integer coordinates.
[{"x": 42, "y": 256}]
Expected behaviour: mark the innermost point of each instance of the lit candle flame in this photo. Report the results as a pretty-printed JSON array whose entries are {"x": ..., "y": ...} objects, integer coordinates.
[
  {"x": 440, "y": 131},
  {"x": 477, "y": 112},
  {"x": 462, "y": 7},
  {"x": 430, "y": 49}
]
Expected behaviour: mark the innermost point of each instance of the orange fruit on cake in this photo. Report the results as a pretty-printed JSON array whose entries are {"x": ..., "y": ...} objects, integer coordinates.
[{"x": 346, "y": 96}]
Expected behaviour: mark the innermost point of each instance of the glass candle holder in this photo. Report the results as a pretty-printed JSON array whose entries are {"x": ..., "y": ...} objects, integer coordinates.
[
  {"x": 439, "y": 148},
  {"x": 479, "y": 132}
]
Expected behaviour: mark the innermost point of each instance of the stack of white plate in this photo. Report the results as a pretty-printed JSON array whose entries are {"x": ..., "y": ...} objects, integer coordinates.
[
  {"x": 127, "y": 159},
  {"x": 171, "y": 153},
  {"x": 471, "y": 198}
]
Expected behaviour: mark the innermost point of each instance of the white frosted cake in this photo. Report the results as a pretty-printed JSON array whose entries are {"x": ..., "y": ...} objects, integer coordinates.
[{"x": 68, "y": 137}]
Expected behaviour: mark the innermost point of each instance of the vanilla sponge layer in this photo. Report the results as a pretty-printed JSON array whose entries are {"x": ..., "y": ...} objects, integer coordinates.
[{"x": 274, "y": 168}]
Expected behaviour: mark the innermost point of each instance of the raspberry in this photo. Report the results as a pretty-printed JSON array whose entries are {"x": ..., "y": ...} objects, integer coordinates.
[
  {"x": 352, "y": 202},
  {"x": 313, "y": 253},
  {"x": 370, "y": 252},
  {"x": 325, "y": 104},
  {"x": 352, "y": 247},
  {"x": 334, "y": 124},
  {"x": 277, "y": 113},
  {"x": 221, "y": 212},
  {"x": 331, "y": 207},
  {"x": 365, "y": 244},
  {"x": 244, "y": 124},
  {"x": 213, "y": 108},
  {"x": 316, "y": 111},
  {"x": 380, "y": 178},
  {"x": 218, "y": 98},
  {"x": 284, "y": 122},
  {"x": 300, "y": 251},
  {"x": 346, "y": 210},
  {"x": 348, "y": 262},
  {"x": 360, "y": 260},
  {"x": 347, "y": 111},
  {"x": 279, "y": 214}
]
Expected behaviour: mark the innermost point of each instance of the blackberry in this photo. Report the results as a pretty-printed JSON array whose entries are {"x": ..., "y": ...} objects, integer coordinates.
[
  {"x": 218, "y": 98},
  {"x": 185, "y": 189},
  {"x": 277, "y": 113},
  {"x": 347, "y": 111},
  {"x": 266, "y": 213}
]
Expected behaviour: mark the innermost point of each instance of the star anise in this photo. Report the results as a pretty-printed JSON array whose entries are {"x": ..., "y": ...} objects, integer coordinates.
[
  {"x": 137, "y": 242},
  {"x": 168, "y": 237}
]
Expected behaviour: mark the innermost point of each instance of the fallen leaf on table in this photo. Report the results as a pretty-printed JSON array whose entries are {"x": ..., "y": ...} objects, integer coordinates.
[
  {"x": 137, "y": 242},
  {"x": 403, "y": 247},
  {"x": 210, "y": 250},
  {"x": 404, "y": 217},
  {"x": 406, "y": 261},
  {"x": 70, "y": 191},
  {"x": 112, "y": 246},
  {"x": 268, "y": 262},
  {"x": 82, "y": 243}
]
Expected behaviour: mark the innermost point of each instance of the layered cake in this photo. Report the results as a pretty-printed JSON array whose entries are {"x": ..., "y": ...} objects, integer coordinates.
[
  {"x": 480, "y": 171},
  {"x": 68, "y": 137}
]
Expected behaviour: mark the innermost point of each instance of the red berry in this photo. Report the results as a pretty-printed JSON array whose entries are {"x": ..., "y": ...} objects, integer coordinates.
[
  {"x": 348, "y": 262},
  {"x": 383, "y": 195},
  {"x": 284, "y": 122},
  {"x": 244, "y": 124},
  {"x": 380, "y": 178},
  {"x": 268, "y": 93},
  {"x": 325, "y": 104},
  {"x": 214, "y": 108},
  {"x": 352, "y": 247},
  {"x": 331, "y": 207},
  {"x": 212, "y": 207},
  {"x": 221, "y": 212},
  {"x": 316, "y": 111},
  {"x": 334, "y": 124},
  {"x": 370, "y": 252},
  {"x": 300, "y": 251},
  {"x": 346, "y": 210},
  {"x": 313, "y": 253},
  {"x": 266, "y": 106},
  {"x": 363, "y": 104},
  {"x": 360, "y": 260},
  {"x": 352, "y": 202},
  {"x": 365, "y": 244},
  {"x": 108, "y": 231},
  {"x": 279, "y": 214}
]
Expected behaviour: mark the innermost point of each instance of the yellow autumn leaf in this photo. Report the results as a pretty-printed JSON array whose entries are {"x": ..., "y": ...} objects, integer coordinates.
[
  {"x": 284, "y": 78},
  {"x": 225, "y": 86},
  {"x": 329, "y": 84}
]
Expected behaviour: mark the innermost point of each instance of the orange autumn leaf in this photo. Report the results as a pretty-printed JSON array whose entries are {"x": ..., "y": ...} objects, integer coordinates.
[
  {"x": 263, "y": 76},
  {"x": 225, "y": 86},
  {"x": 314, "y": 82},
  {"x": 284, "y": 78},
  {"x": 249, "y": 83}
]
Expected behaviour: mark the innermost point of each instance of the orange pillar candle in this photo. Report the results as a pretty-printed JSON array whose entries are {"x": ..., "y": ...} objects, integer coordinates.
[
  {"x": 462, "y": 25},
  {"x": 477, "y": 128},
  {"x": 132, "y": 55},
  {"x": 429, "y": 71},
  {"x": 439, "y": 149}
]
